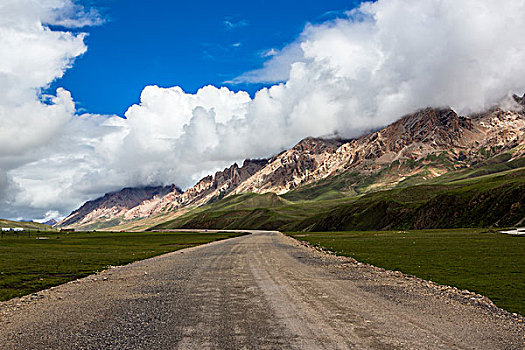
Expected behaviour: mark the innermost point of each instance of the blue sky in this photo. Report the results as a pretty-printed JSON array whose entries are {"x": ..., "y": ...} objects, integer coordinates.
[{"x": 189, "y": 44}]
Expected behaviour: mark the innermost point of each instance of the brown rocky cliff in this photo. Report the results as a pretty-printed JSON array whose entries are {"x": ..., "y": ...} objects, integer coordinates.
[
  {"x": 292, "y": 167},
  {"x": 413, "y": 136},
  {"x": 437, "y": 128}
]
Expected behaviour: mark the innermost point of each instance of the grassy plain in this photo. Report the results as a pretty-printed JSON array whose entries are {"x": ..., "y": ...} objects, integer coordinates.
[
  {"x": 489, "y": 263},
  {"x": 29, "y": 263}
]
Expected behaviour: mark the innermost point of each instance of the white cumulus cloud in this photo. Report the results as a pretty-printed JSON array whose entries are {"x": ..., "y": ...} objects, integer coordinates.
[{"x": 33, "y": 56}]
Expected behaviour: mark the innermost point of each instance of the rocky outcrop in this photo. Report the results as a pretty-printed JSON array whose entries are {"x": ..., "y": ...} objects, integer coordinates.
[
  {"x": 291, "y": 168},
  {"x": 519, "y": 100}
]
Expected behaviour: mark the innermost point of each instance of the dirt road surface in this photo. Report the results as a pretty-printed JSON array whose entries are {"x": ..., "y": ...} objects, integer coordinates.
[{"x": 260, "y": 291}]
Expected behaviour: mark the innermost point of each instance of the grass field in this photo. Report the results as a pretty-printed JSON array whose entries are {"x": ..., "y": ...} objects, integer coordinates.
[
  {"x": 32, "y": 263},
  {"x": 488, "y": 263}
]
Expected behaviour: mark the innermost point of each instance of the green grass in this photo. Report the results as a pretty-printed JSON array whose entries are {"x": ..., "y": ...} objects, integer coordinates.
[
  {"x": 248, "y": 200},
  {"x": 485, "y": 262},
  {"x": 28, "y": 264},
  {"x": 498, "y": 164}
]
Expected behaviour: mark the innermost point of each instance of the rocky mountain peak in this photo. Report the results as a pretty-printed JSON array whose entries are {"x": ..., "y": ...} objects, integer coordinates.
[
  {"x": 315, "y": 145},
  {"x": 519, "y": 100},
  {"x": 230, "y": 177},
  {"x": 116, "y": 202},
  {"x": 440, "y": 126}
]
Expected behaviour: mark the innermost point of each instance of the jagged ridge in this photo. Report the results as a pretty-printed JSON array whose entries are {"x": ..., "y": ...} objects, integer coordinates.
[{"x": 419, "y": 146}]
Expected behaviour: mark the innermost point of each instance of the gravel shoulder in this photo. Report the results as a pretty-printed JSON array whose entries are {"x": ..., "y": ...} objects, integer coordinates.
[{"x": 260, "y": 291}]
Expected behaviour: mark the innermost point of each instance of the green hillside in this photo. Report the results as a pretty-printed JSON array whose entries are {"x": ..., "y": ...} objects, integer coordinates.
[
  {"x": 490, "y": 194},
  {"x": 34, "y": 226}
]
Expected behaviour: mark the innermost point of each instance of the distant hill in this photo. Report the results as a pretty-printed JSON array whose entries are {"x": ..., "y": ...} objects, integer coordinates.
[
  {"x": 417, "y": 172},
  {"x": 102, "y": 211},
  {"x": 51, "y": 222},
  {"x": 25, "y": 225}
]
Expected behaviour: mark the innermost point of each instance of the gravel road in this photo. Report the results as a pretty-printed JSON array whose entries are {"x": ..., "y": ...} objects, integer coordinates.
[{"x": 260, "y": 291}]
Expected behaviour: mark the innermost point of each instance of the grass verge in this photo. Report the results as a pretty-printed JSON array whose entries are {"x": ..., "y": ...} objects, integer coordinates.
[
  {"x": 488, "y": 263},
  {"x": 32, "y": 263}
]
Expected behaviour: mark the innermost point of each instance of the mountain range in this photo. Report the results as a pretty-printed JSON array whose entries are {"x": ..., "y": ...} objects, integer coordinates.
[{"x": 432, "y": 168}]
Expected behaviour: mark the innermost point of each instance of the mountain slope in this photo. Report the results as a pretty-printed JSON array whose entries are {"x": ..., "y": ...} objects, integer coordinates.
[
  {"x": 104, "y": 209},
  {"x": 496, "y": 199},
  {"x": 426, "y": 145}
]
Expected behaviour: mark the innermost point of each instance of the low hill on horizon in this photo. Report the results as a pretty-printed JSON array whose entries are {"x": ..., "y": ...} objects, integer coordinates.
[{"x": 26, "y": 225}]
